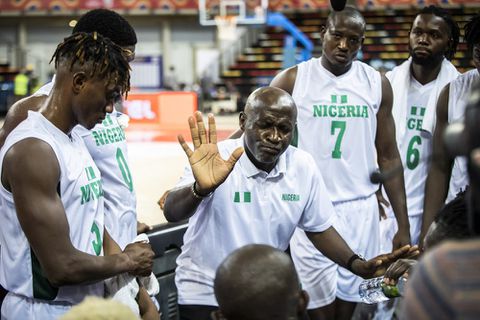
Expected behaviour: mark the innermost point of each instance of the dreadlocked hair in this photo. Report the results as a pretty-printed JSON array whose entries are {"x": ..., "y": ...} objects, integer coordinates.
[
  {"x": 452, "y": 25},
  {"x": 108, "y": 60},
  {"x": 472, "y": 31}
]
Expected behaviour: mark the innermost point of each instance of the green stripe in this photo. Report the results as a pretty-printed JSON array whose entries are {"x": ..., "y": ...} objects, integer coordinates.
[{"x": 42, "y": 289}]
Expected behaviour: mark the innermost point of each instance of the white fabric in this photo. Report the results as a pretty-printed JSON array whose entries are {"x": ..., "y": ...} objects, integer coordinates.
[
  {"x": 124, "y": 287},
  {"x": 329, "y": 106},
  {"x": 400, "y": 80},
  {"x": 251, "y": 206},
  {"x": 82, "y": 197},
  {"x": 107, "y": 145},
  {"x": 357, "y": 222},
  {"x": 458, "y": 98},
  {"x": 389, "y": 227},
  {"x": 416, "y": 145}
]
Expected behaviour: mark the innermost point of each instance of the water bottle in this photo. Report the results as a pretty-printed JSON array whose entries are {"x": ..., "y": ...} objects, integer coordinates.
[{"x": 375, "y": 290}]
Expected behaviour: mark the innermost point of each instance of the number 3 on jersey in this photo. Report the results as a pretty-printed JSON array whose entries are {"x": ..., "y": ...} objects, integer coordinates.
[
  {"x": 123, "y": 165},
  {"x": 341, "y": 125}
]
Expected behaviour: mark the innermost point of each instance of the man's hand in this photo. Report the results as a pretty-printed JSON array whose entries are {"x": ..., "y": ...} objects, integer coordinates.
[
  {"x": 401, "y": 238},
  {"x": 208, "y": 167},
  {"x": 142, "y": 227},
  {"x": 382, "y": 202},
  {"x": 377, "y": 266},
  {"x": 400, "y": 268},
  {"x": 140, "y": 256}
]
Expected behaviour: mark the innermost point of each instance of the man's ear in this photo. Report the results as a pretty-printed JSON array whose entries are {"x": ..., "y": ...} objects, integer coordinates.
[
  {"x": 302, "y": 304},
  {"x": 78, "y": 81},
  {"x": 217, "y": 315},
  {"x": 242, "y": 118},
  {"x": 323, "y": 30}
]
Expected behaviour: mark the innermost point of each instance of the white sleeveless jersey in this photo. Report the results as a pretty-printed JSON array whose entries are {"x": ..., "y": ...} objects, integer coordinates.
[
  {"x": 458, "y": 98},
  {"x": 80, "y": 189},
  {"x": 416, "y": 145},
  {"x": 337, "y": 125},
  {"x": 108, "y": 147}
]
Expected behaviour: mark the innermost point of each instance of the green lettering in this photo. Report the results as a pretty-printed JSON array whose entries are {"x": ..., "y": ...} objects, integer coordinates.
[
  {"x": 98, "y": 138},
  {"x": 85, "y": 194},
  {"x": 365, "y": 112},
  {"x": 317, "y": 111},
  {"x": 411, "y": 123},
  {"x": 350, "y": 111},
  {"x": 419, "y": 124},
  {"x": 341, "y": 111},
  {"x": 332, "y": 111}
]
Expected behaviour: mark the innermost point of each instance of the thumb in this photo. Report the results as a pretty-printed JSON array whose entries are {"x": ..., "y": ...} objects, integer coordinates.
[{"x": 236, "y": 154}]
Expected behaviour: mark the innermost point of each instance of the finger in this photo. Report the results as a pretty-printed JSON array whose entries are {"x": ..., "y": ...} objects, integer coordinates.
[
  {"x": 184, "y": 145},
  {"x": 212, "y": 128},
  {"x": 202, "y": 132},
  {"x": 399, "y": 252},
  {"x": 236, "y": 154},
  {"x": 194, "y": 132}
]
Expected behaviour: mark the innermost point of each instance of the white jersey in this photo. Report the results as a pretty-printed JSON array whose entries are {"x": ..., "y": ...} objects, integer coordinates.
[
  {"x": 416, "y": 145},
  {"x": 337, "y": 125},
  {"x": 108, "y": 147},
  {"x": 458, "y": 98},
  {"x": 251, "y": 206},
  {"x": 80, "y": 189}
]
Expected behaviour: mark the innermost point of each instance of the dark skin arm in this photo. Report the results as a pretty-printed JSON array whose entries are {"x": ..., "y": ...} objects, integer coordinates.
[
  {"x": 438, "y": 178},
  {"x": 19, "y": 112},
  {"x": 148, "y": 311},
  {"x": 332, "y": 245},
  {"x": 42, "y": 217},
  {"x": 388, "y": 159},
  {"x": 284, "y": 80},
  {"x": 208, "y": 167}
]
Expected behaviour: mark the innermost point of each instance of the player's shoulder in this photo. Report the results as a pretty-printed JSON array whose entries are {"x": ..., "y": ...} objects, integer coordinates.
[{"x": 299, "y": 160}]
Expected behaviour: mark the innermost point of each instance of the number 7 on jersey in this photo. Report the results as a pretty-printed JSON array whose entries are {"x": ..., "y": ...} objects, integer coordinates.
[{"x": 341, "y": 125}]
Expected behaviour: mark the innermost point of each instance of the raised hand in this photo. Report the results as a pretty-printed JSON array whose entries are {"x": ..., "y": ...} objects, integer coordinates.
[{"x": 208, "y": 167}]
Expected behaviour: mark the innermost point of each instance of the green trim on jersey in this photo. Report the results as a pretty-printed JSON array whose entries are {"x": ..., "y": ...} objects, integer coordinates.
[{"x": 42, "y": 289}]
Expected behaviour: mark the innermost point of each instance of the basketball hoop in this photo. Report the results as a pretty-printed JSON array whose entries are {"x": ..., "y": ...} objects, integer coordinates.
[{"x": 227, "y": 28}]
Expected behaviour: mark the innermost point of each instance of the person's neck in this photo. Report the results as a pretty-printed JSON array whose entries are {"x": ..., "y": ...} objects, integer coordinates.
[
  {"x": 336, "y": 70},
  {"x": 425, "y": 73},
  {"x": 54, "y": 111}
]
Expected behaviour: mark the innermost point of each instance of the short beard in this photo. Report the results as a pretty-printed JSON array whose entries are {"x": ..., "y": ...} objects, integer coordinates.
[{"x": 432, "y": 60}]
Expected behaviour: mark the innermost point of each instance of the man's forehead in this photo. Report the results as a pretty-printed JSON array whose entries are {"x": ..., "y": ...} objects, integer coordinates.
[
  {"x": 346, "y": 23},
  {"x": 430, "y": 21}
]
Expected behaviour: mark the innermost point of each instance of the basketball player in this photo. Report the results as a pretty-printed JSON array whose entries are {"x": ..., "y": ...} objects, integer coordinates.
[
  {"x": 451, "y": 107},
  {"x": 344, "y": 120},
  {"x": 52, "y": 232},
  {"x": 259, "y": 196}
]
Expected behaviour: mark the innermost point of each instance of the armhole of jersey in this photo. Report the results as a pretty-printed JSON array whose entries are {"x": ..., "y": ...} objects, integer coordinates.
[{"x": 42, "y": 288}]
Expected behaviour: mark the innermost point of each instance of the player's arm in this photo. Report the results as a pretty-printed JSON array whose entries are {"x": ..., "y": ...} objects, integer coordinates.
[
  {"x": 389, "y": 159},
  {"x": 208, "y": 167},
  {"x": 42, "y": 217},
  {"x": 438, "y": 178},
  {"x": 145, "y": 303},
  {"x": 19, "y": 112}
]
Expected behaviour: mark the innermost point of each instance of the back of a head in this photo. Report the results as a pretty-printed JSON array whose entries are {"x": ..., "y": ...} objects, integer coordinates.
[
  {"x": 450, "y": 223},
  {"x": 452, "y": 26},
  {"x": 257, "y": 282},
  {"x": 109, "y": 24},
  {"x": 94, "y": 308}
]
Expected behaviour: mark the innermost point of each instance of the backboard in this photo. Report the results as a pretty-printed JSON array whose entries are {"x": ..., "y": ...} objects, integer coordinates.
[{"x": 245, "y": 11}]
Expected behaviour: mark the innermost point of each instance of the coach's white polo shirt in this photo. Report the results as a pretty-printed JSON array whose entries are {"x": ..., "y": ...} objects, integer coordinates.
[{"x": 251, "y": 206}]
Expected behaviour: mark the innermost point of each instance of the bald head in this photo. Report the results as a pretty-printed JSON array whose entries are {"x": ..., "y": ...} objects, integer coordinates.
[
  {"x": 258, "y": 282},
  {"x": 269, "y": 97},
  {"x": 348, "y": 13}
]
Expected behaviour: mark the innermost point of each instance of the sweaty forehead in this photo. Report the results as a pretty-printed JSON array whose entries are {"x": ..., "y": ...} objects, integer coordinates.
[
  {"x": 346, "y": 23},
  {"x": 430, "y": 22}
]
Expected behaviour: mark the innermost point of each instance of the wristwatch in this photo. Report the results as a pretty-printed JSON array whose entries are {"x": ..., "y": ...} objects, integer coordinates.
[{"x": 352, "y": 259}]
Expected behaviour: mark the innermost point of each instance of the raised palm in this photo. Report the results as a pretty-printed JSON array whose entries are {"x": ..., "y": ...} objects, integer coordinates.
[{"x": 209, "y": 168}]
